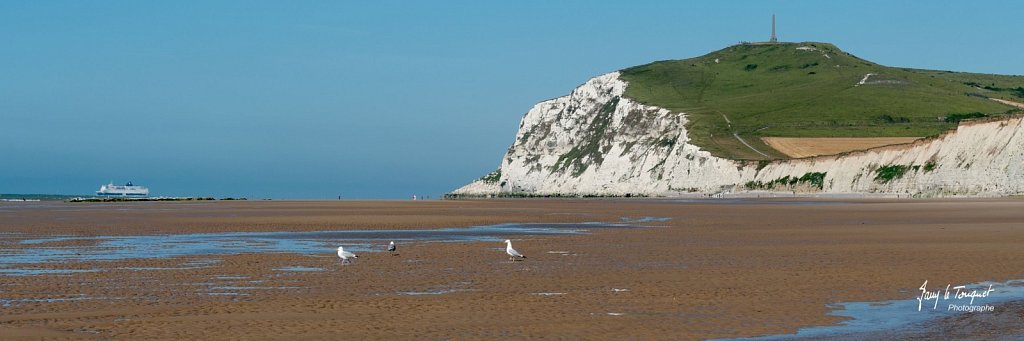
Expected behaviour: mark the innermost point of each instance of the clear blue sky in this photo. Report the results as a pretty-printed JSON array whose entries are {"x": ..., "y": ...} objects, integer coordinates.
[{"x": 377, "y": 99}]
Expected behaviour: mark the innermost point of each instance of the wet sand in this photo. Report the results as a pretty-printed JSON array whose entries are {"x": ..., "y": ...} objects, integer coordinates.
[{"x": 717, "y": 269}]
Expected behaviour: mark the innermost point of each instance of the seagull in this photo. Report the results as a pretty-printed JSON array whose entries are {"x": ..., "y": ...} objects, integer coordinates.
[
  {"x": 392, "y": 248},
  {"x": 512, "y": 253},
  {"x": 345, "y": 255}
]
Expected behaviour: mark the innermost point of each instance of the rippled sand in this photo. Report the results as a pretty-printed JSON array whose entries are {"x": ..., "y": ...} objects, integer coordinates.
[{"x": 715, "y": 270}]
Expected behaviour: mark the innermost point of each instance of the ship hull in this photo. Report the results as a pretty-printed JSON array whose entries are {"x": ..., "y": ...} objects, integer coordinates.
[
  {"x": 128, "y": 190},
  {"x": 104, "y": 194}
]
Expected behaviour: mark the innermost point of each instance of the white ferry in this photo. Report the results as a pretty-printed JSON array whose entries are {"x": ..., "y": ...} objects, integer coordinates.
[{"x": 128, "y": 190}]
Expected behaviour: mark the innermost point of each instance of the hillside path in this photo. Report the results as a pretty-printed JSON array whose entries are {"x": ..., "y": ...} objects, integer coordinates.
[
  {"x": 1010, "y": 103},
  {"x": 737, "y": 136}
]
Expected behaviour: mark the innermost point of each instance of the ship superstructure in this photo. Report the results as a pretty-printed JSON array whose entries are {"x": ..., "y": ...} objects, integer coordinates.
[{"x": 128, "y": 190}]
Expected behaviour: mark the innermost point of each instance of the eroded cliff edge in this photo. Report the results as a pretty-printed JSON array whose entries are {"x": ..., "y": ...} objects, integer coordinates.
[{"x": 597, "y": 142}]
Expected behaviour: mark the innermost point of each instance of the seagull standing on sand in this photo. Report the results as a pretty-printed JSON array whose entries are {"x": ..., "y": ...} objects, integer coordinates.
[
  {"x": 345, "y": 255},
  {"x": 512, "y": 253},
  {"x": 392, "y": 248}
]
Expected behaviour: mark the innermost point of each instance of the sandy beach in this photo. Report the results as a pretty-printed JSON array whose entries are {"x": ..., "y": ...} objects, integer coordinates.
[{"x": 712, "y": 269}]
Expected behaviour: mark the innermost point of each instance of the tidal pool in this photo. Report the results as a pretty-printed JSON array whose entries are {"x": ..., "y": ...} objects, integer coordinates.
[
  {"x": 20, "y": 261},
  {"x": 869, "y": 319}
]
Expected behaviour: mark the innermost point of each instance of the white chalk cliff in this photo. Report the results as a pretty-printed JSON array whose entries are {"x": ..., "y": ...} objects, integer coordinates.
[{"x": 597, "y": 142}]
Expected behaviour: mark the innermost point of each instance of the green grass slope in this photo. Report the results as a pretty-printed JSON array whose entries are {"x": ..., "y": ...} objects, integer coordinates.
[{"x": 810, "y": 90}]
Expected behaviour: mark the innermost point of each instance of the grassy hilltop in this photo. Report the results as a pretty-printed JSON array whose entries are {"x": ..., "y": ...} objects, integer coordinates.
[{"x": 811, "y": 90}]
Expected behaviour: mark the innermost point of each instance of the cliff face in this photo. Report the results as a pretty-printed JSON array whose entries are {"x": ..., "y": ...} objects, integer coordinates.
[{"x": 595, "y": 141}]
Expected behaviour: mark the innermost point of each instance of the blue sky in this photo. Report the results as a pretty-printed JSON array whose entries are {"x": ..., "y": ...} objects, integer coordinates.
[{"x": 376, "y": 99}]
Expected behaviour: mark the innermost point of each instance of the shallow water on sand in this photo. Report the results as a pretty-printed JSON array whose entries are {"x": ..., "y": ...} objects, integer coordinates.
[
  {"x": 18, "y": 262},
  {"x": 867, "y": 320}
]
